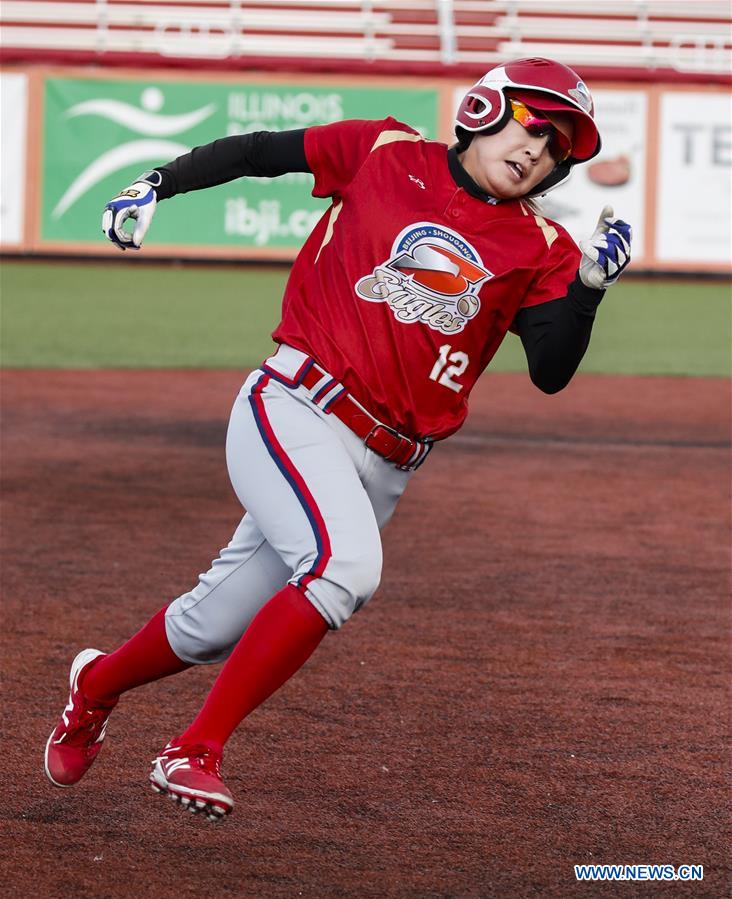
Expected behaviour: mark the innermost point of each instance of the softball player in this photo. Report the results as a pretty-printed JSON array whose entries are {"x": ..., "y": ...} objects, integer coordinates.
[{"x": 396, "y": 303}]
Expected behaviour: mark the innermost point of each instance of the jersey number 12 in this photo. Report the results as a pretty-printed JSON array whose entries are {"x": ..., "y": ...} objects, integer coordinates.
[{"x": 444, "y": 373}]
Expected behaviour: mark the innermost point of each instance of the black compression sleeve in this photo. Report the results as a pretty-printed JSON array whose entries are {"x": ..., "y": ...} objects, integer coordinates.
[
  {"x": 556, "y": 334},
  {"x": 261, "y": 153}
]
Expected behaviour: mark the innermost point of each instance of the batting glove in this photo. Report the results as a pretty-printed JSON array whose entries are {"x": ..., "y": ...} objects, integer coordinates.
[
  {"x": 137, "y": 202},
  {"x": 606, "y": 253}
]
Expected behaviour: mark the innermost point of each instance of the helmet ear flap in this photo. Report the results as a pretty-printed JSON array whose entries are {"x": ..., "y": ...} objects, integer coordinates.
[{"x": 483, "y": 109}]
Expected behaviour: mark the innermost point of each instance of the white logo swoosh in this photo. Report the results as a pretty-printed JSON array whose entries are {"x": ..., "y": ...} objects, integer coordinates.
[
  {"x": 138, "y": 119},
  {"x": 134, "y": 151},
  {"x": 426, "y": 258}
]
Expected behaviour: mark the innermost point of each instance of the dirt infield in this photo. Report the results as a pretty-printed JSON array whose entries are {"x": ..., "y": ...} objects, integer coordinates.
[{"x": 540, "y": 681}]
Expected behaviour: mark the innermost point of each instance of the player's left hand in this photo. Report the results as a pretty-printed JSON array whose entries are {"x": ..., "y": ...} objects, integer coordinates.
[
  {"x": 137, "y": 202},
  {"x": 606, "y": 254}
]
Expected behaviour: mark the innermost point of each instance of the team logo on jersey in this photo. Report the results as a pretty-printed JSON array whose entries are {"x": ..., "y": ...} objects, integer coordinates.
[{"x": 432, "y": 276}]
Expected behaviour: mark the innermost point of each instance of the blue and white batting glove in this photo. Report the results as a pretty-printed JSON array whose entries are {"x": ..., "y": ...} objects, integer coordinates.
[
  {"x": 137, "y": 202},
  {"x": 606, "y": 254}
]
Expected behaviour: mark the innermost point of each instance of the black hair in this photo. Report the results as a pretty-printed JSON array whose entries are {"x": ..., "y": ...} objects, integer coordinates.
[{"x": 464, "y": 139}]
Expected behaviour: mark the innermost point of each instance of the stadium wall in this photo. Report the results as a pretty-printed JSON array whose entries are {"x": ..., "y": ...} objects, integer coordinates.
[{"x": 72, "y": 137}]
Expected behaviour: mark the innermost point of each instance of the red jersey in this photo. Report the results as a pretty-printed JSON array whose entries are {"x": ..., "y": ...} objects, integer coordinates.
[{"x": 408, "y": 284}]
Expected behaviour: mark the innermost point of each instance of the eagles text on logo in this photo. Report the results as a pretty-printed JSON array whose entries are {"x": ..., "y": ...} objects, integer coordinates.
[{"x": 432, "y": 276}]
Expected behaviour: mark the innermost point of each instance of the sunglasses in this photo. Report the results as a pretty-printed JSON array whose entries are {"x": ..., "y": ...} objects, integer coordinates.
[{"x": 560, "y": 146}]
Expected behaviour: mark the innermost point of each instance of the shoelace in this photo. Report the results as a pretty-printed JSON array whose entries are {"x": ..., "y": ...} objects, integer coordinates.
[
  {"x": 199, "y": 756},
  {"x": 87, "y": 727}
]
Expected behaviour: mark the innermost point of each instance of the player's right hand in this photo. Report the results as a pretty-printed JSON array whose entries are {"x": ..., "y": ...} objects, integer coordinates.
[{"x": 137, "y": 202}]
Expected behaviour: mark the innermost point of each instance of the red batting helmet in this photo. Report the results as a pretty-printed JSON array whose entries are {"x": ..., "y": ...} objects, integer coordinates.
[{"x": 540, "y": 84}]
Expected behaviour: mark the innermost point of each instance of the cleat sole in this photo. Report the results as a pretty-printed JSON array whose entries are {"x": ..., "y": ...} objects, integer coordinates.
[
  {"x": 194, "y": 805},
  {"x": 214, "y": 807}
]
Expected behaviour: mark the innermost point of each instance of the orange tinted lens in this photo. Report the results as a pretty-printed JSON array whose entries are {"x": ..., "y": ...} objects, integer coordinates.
[
  {"x": 559, "y": 144},
  {"x": 522, "y": 113}
]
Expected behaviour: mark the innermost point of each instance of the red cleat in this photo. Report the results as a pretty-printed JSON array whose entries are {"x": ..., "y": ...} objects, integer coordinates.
[
  {"x": 191, "y": 776},
  {"x": 77, "y": 738}
]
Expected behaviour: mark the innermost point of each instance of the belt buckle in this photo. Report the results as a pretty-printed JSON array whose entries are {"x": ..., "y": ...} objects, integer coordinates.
[{"x": 373, "y": 441}]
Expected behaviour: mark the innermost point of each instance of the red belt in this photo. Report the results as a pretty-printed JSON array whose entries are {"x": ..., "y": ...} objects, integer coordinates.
[{"x": 385, "y": 441}]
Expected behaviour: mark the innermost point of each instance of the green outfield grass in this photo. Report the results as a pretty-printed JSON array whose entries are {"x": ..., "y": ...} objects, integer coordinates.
[{"x": 65, "y": 315}]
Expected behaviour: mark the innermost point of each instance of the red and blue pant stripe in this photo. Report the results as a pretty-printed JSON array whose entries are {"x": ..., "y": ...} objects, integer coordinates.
[{"x": 296, "y": 482}]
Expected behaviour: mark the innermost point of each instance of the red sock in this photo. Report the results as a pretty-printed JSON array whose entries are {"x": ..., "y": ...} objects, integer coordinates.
[
  {"x": 143, "y": 658},
  {"x": 281, "y": 638}
]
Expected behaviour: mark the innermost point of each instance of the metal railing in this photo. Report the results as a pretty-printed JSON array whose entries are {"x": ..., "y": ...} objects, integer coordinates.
[{"x": 688, "y": 37}]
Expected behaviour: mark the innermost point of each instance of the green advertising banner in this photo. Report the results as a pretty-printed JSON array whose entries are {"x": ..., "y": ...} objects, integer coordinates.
[{"x": 100, "y": 134}]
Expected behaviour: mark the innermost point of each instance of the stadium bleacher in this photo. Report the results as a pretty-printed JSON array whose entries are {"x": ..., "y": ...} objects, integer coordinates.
[{"x": 636, "y": 36}]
